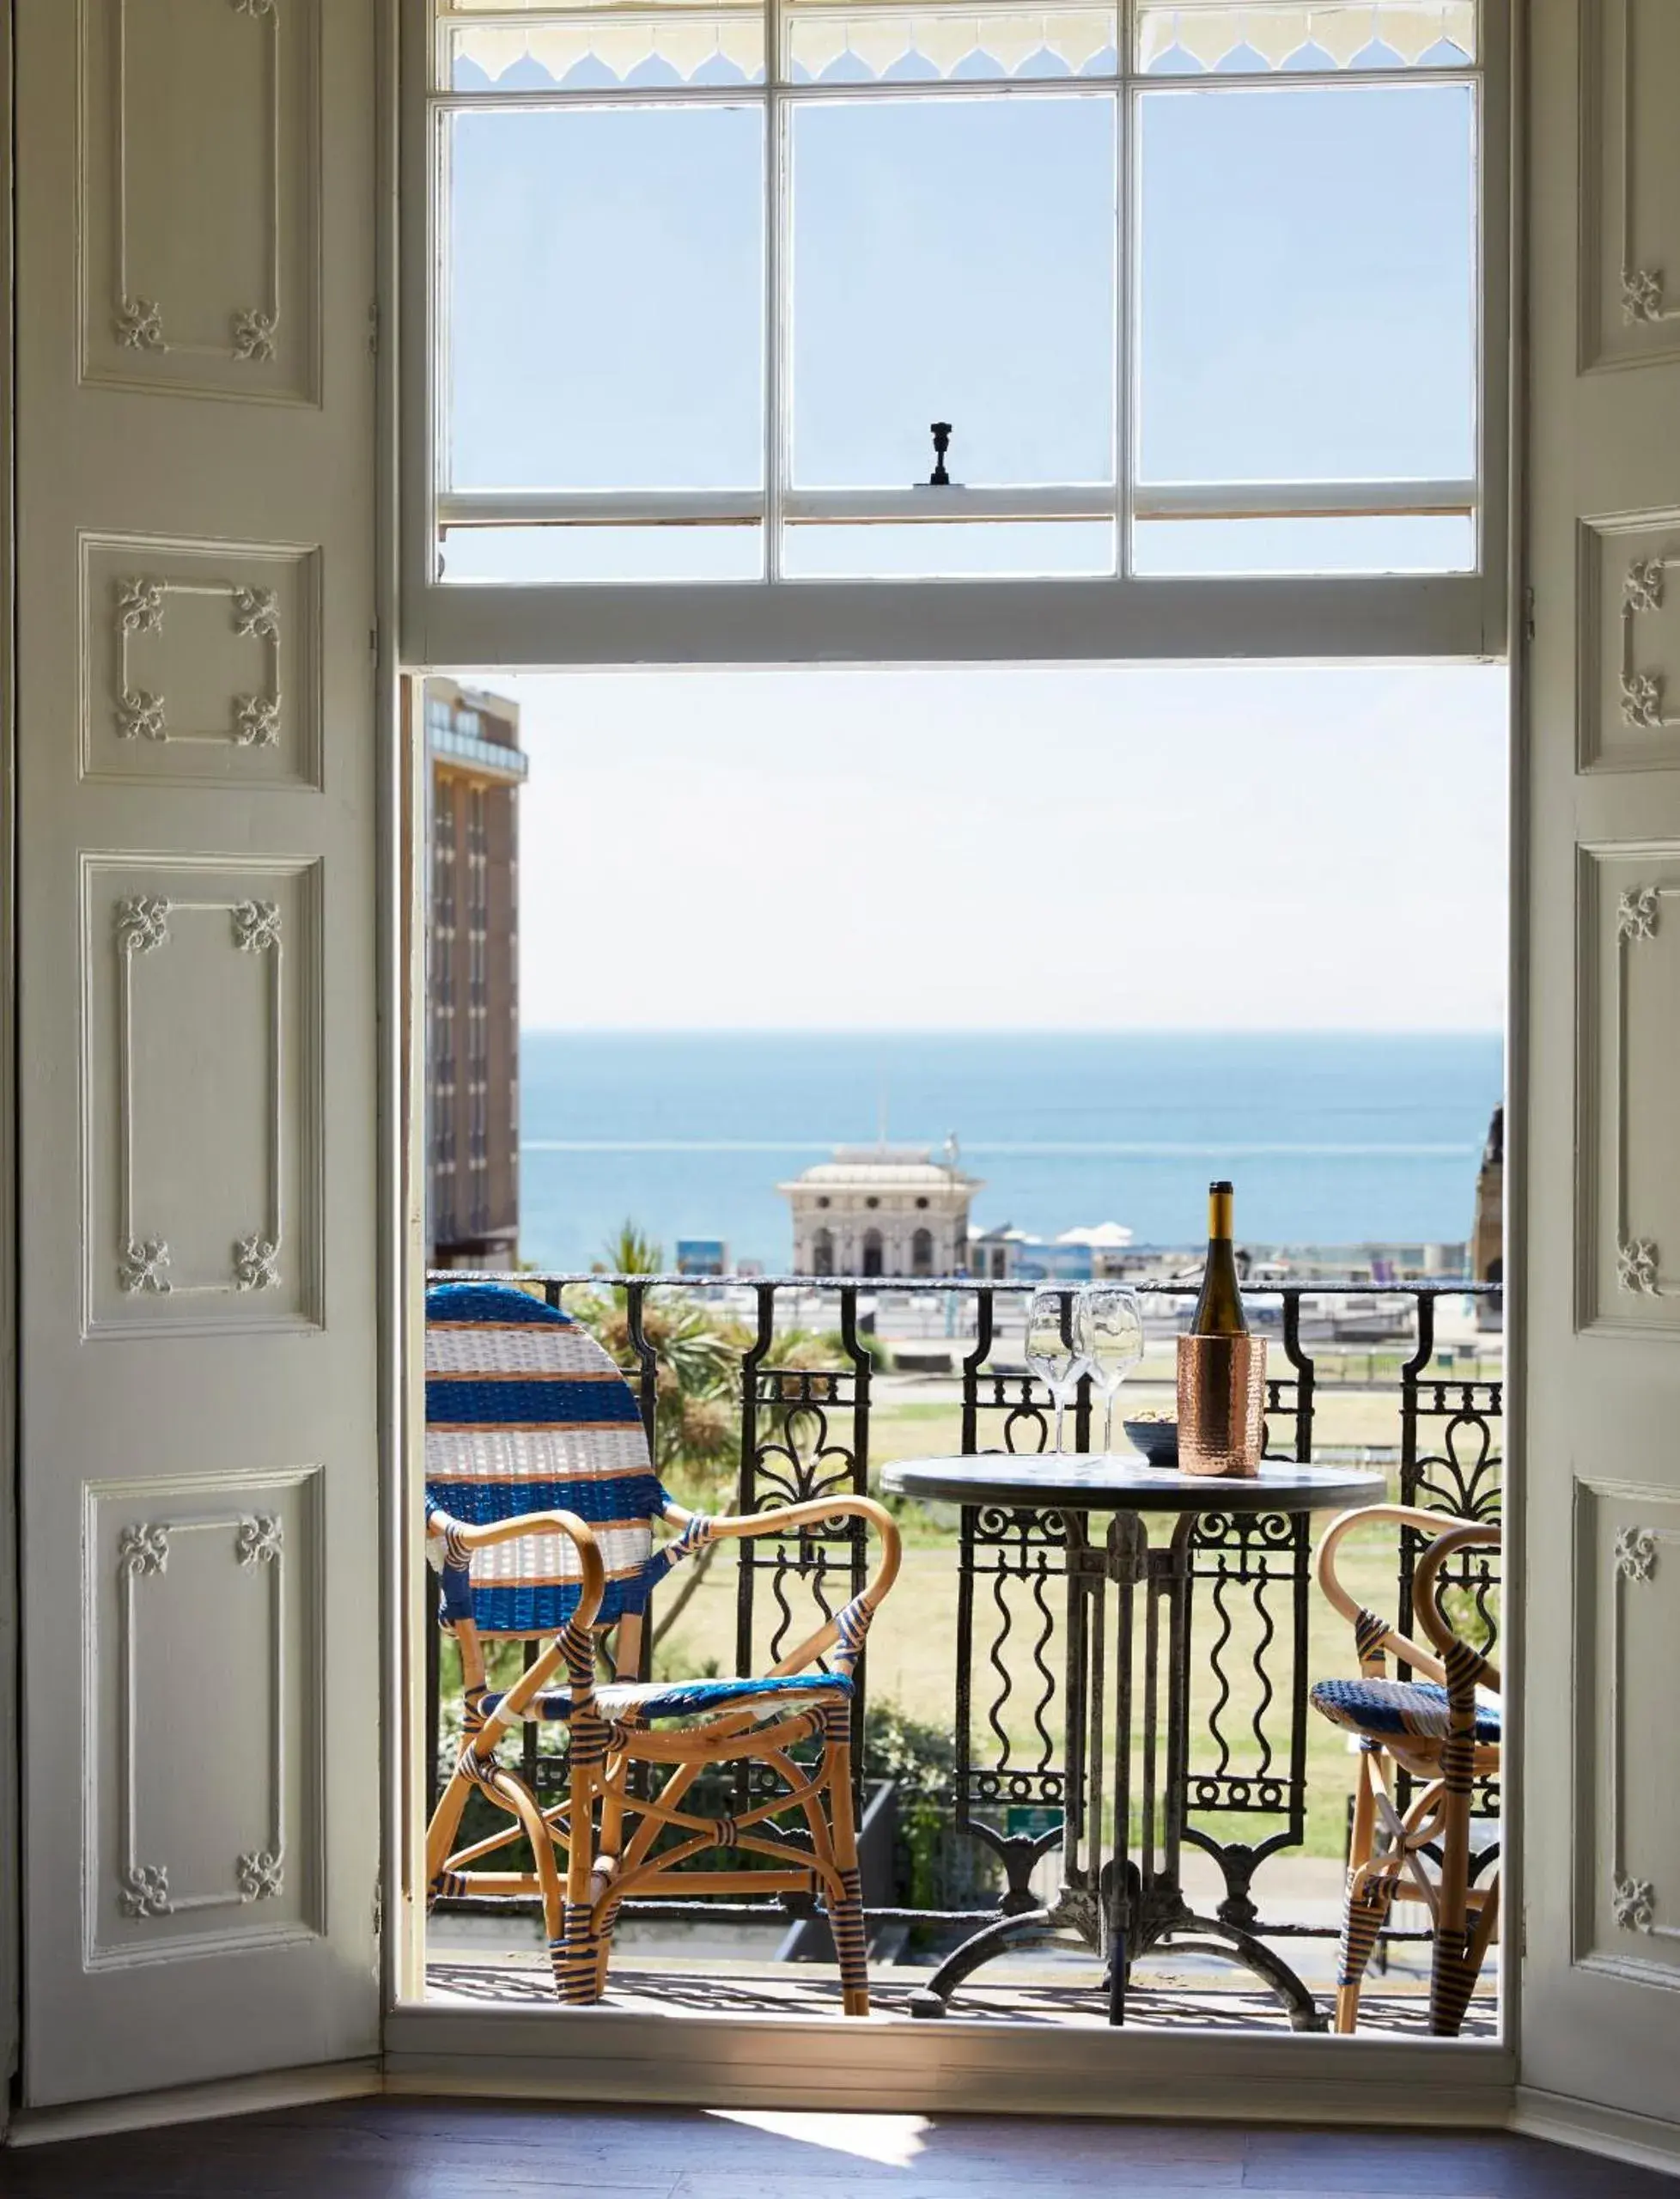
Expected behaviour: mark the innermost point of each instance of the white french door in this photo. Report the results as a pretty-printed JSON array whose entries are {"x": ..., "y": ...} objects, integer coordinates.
[
  {"x": 198, "y": 1101},
  {"x": 1601, "y": 1265},
  {"x": 198, "y": 900}
]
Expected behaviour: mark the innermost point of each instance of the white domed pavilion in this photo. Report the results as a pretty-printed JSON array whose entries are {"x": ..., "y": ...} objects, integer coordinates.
[{"x": 882, "y": 1209}]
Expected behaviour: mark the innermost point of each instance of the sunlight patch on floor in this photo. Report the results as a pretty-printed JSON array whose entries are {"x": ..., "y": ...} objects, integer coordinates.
[{"x": 889, "y": 2141}]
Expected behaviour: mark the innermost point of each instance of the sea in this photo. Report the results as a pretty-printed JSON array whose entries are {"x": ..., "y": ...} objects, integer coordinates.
[{"x": 1337, "y": 1139}]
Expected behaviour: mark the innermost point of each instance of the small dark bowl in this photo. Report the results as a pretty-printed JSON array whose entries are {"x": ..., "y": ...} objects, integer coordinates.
[{"x": 1158, "y": 1439}]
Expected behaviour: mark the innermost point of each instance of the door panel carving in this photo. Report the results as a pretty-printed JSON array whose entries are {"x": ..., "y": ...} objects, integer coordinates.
[
  {"x": 1628, "y": 1224},
  {"x": 1630, "y": 597},
  {"x": 1630, "y": 199},
  {"x": 175, "y": 1566},
  {"x": 202, "y": 663},
  {"x": 200, "y": 164},
  {"x": 1628, "y": 1645}
]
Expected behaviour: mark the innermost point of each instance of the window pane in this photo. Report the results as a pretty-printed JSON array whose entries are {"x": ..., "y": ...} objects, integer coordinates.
[
  {"x": 989, "y": 550},
  {"x": 672, "y": 43},
  {"x": 1187, "y": 37},
  {"x": 953, "y": 261},
  {"x": 1307, "y": 284},
  {"x": 1435, "y": 544},
  {"x": 534, "y": 555},
  {"x": 606, "y": 298},
  {"x": 829, "y": 41}
]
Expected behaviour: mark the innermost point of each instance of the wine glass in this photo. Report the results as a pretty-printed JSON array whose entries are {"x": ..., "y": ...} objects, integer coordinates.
[
  {"x": 1050, "y": 1352},
  {"x": 1108, "y": 1329}
]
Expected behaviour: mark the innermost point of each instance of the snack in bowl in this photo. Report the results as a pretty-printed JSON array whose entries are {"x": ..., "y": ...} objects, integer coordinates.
[{"x": 1156, "y": 1435}]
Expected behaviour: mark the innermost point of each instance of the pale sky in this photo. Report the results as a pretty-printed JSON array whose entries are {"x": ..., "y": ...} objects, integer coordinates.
[
  {"x": 1072, "y": 850},
  {"x": 1305, "y": 311}
]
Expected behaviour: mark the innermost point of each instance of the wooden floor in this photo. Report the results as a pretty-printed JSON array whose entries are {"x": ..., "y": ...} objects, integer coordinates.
[{"x": 392, "y": 2148}]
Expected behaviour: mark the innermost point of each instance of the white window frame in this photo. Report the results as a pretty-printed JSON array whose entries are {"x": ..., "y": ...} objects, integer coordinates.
[{"x": 1442, "y": 617}]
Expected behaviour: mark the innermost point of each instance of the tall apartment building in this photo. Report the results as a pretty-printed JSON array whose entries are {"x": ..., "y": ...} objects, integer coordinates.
[{"x": 476, "y": 767}]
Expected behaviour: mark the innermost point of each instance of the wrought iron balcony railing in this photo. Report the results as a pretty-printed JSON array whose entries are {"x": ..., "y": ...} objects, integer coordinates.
[{"x": 799, "y": 1431}]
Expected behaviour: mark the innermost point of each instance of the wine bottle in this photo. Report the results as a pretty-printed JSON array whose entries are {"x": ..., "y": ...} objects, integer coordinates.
[{"x": 1219, "y": 1310}]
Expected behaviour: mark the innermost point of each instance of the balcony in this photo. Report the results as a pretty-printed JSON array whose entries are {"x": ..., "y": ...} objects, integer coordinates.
[{"x": 758, "y": 1393}]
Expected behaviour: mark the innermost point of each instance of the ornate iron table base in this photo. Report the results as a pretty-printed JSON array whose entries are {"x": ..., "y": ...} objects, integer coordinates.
[
  {"x": 1303, "y": 2012},
  {"x": 1122, "y": 1895}
]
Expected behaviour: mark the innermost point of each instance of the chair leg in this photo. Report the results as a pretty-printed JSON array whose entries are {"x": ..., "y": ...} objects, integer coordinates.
[
  {"x": 441, "y": 1837},
  {"x": 609, "y": 1917},
  {"x": 1357, "y": 1938},
  {"x": 1452, "y": 1973},
  {"x": 609, "y": 1856},
  {"x": 574, "y": 1952},
  {"x": 1481, "y": 1929},
  {"x": 846, "y": 1913},
  {"x": 1370, "y": 1896}
]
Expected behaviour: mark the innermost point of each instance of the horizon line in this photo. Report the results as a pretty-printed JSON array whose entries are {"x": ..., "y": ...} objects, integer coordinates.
[{"x": 1004, "y": 1031}]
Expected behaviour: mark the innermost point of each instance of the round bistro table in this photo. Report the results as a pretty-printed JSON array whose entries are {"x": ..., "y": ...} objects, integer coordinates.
[{"x": 1122, "y": 1897}]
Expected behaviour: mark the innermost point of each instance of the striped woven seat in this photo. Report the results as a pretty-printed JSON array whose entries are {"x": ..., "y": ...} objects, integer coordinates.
[
  {"x": 1387, "y": 1709},
  {"x": 690, "y": 1698},
  {"x": 542, "y": 1505}
]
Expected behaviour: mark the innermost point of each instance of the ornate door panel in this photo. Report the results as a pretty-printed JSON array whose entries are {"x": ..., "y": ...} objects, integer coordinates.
[
  {"x": 1601, "y": 1979},
  {"x": 197, "y": 1101}
]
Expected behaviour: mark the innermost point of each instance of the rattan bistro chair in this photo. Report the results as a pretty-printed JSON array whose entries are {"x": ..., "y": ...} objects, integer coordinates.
[
  {"x": 1443, "y": 1732},
  {"x": 540, "y": 1504}
]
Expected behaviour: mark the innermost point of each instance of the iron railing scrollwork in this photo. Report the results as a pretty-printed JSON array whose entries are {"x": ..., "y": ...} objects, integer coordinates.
[
  {"x": 1021, "y": 1681},
  {"x": 792, "y": 1452}
]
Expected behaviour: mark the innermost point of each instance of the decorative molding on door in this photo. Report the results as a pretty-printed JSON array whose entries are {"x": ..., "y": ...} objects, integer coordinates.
[
  {"x": 1638, "y": 1263},
  {"x": 143, "y": 1552},
  {"x": 1627, "y": 1256},
  {"x": 1644, "y": 694},
  {"x": 142, "y": 715},
  {"x": 136, "y": 321},
  {"x": 1634, "y": 1901},
  {"x": 170, "y": 1244},
  {"x": 142, "y": 928},
  {"x": 1628, "y": 643},
  {"x": 1630, "y": 285},
  {"x": 235, "y": 627},
  {"x": 254, "y": 132},
  {"x": 138, "y": 1893},
  {"x": 1645, "y": 295},
  {"x": 1627, "y": 1920}
]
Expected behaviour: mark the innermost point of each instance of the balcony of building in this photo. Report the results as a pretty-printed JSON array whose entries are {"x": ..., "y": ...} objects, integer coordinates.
[{"x": 984, "y": 1724}]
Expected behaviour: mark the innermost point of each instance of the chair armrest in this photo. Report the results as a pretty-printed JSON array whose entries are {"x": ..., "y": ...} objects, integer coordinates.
[
  {"x": 1380, "y": 1638},
  {"x": 849, "y": 1626},
  {"x": 462, "y": 1541}
]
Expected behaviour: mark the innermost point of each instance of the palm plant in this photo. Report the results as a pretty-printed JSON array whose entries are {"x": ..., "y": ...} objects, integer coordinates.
[
  {"x": 697, "y": 1358},
  {"x": 696, "y": 1384}
]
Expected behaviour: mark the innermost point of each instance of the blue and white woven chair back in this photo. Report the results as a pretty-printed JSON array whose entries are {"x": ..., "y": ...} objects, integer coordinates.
[{"x": 525, "y": 1412}]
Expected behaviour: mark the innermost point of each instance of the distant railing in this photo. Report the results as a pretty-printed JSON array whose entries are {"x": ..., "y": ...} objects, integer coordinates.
[{"x": 803, "y": 1432}]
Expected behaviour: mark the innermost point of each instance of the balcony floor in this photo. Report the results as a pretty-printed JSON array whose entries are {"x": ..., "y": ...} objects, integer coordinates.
[{"x": 1017, "y": 1990}]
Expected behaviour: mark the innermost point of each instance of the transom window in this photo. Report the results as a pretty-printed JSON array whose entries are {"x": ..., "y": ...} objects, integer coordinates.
[
  {"x": 947, "y": 288},
  {"x": 1123, "y": 309}
]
